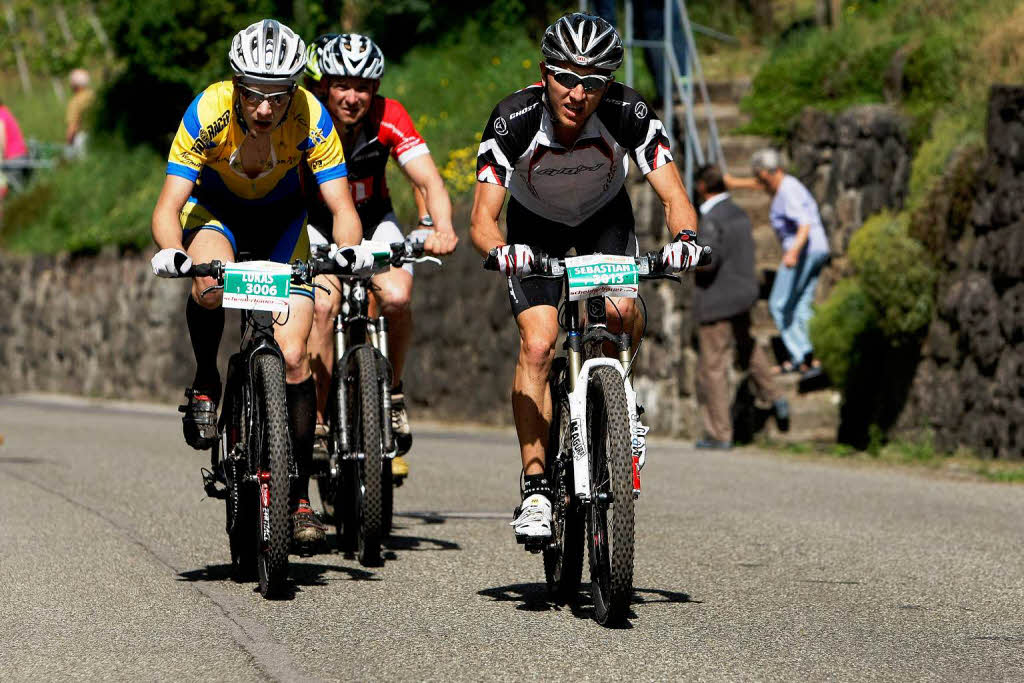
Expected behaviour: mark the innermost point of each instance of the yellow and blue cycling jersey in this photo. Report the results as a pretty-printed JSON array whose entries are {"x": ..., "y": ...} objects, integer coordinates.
[{"x": 264, "y": 216}]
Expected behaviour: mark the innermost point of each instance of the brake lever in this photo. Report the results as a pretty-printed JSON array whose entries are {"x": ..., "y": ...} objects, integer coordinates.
[{"x": 426, "y": 259}]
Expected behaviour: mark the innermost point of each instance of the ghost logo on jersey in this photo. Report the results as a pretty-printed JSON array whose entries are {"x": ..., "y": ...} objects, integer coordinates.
[
  {"x": 500, "y": 127},
  {"x": 640, "y": 110}
]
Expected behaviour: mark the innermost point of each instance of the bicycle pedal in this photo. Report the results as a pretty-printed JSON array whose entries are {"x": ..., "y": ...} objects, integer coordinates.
[
  {"x": 213, "y": 488},
  {"x": 534, "y": 544}
]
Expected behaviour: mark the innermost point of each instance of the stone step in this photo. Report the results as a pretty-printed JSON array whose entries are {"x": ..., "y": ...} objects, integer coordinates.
[
  {"x": 731, "y": 91},
  {"x": 738, "y": 149},
  {"x": 727, "y": 117}
]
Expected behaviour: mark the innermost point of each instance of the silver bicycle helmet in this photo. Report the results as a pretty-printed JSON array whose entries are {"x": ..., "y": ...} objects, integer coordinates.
[
  {"x": 267, "y": 52},
  {"x": 584, "y": 40},
  {"x": 314, "y": 53},
  {"x": 351, "y": 54}
]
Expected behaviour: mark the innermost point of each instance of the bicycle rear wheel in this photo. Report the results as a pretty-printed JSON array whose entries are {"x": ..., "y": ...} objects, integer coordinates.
[
  {"x": 241, "y": 503},
  {"x": 364, "y": 404},
  {"x": 272, "y": 473},
  {"x": 563, "y": 557},
  {"x": 610, "y": 515}
]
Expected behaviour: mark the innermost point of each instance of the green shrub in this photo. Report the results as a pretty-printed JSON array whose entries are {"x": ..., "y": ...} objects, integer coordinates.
[
  {"x": 107, "y": 198},
  {"x": 895, "y": 274},
  {"x": 838, "y": 325}
]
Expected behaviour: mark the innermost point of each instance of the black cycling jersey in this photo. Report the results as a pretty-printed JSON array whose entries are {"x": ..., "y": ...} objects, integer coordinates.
[{"x": 518, "y": 151}]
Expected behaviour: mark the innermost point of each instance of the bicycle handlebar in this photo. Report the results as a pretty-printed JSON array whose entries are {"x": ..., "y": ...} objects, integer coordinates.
[{"x": 545, "y": 266}]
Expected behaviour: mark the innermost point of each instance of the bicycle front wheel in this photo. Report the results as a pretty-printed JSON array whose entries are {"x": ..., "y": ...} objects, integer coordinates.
[
  {"x": 610, "y": 516},
  {"x": 364, "y": 404},
  {"x": 272, "y": 473}
]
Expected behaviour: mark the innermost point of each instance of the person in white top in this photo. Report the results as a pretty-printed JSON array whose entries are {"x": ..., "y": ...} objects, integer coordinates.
[{"x": 797, "y": 223}]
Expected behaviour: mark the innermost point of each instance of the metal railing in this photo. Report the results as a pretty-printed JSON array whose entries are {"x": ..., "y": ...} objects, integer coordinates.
[{"x": 678, "y": 80}]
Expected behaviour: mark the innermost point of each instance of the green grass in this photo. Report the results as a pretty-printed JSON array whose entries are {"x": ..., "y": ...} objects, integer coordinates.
[
  {"x": 40, "y": 113},
  {"x": 105, "y": 199}
]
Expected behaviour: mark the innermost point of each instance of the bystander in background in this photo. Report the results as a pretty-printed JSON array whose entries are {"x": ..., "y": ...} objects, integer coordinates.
[
  {"x": 726, "y": 291},
  {"x": 797, "y": 223},
  {"x": 12, "y": 148},
  {"x": 79, "y": 103}
]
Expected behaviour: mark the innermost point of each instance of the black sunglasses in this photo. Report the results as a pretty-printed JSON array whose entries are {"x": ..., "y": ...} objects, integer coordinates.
[
  {"x": 256, "y": 98},
  {"x": 570, "y": 79}
]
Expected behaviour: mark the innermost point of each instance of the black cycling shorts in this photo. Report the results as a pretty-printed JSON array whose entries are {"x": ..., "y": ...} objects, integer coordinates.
[{"x": 609, "y": 231}]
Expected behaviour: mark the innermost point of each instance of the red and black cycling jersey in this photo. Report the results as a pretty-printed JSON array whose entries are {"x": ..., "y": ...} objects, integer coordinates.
[
  {"x": 518, "y": 151},
  {"x": 387, "y": 131}
]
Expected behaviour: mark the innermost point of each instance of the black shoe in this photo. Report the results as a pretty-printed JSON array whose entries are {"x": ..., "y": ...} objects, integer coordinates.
[
  {"x": 714, "y": 445},
  {"x": 780, "y": 408},
  {"x": 308, "y": 532},
  {"x": 400, "y": 421},
  {"x": 199, "y": 423}
]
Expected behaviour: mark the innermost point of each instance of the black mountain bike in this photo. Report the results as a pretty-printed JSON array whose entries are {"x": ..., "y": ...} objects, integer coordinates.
[
  {"x": 596, "y": 443},
  {"x": 355, "y": 483},
  {"x": 251, "y": 467}
]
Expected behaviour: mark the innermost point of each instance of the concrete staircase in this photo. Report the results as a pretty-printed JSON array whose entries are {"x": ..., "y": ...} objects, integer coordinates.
[{"x": 814, "y": 414}]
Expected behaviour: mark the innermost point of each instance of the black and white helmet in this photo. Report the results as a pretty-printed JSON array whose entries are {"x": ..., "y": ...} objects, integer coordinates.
[
  {"x": 267, "y": 52},
  {"x": 585, "y": 40},
  {"x": 351, "y": 54}
]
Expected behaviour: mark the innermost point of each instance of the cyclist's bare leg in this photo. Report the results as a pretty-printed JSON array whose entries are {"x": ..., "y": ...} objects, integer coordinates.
[
  {"x": 394, "y": 295},
  {"x": 321, "y": 340},
  {"x": 291, "y": 337},
  {"x": 623, "y": 316},
  {"x": 202, "y": 247},
  {"x": 531, "y": 396},
  {"x": 204, "y": 315}
]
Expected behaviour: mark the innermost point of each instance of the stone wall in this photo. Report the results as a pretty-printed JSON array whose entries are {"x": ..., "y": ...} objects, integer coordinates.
[
  {"x": 856, "y": 164},
  {"x": 969, "y": 386}
]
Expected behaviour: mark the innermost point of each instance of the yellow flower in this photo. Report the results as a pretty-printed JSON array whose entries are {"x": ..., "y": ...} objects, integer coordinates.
[
  {"x": 495, "y": 60},
  {"x": 444, "y": 82},
  {"x": 527, "y": 63}
]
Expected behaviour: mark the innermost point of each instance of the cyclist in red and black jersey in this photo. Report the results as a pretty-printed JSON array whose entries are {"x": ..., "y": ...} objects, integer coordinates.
[{"x": 346, "y": 72}]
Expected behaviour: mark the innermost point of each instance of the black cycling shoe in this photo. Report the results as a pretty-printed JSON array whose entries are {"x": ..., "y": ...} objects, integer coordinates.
[
  {"x": 308, "y": 532},
  {"x": 400, "y": 422},
  {"x": 200, "y": 420}
]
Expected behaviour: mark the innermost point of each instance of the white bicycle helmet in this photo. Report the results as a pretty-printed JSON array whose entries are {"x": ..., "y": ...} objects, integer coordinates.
[
  {"x": 267, "y": 53},
  {"x": 584, "y": 40},
  {"x": 351, "y": 54},
  {"x": 315, "y": 52}
]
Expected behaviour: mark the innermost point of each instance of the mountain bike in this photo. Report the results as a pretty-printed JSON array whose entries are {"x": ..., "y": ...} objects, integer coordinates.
[
  {"x": 251, "y": 466},
  {"x": 355, "y": 483},
  {"x": 597, "y": 443}
]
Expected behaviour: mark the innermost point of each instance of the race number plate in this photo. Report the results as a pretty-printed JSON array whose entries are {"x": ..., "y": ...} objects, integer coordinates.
[
  {"x": 257, "y": 285},
  {"x": 602, "y": 275}
]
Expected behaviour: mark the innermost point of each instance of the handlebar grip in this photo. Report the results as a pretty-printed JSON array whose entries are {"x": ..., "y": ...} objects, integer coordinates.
[
  {"x": 211, "y": 269},
  {"x": 491, "y": 262},
  {"x": 705, "y": 256}
]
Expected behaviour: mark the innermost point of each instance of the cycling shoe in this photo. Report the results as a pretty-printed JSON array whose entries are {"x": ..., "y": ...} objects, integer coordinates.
[
  {"x": 308, "y": 532},
  {"x": 199, "y": 422}
]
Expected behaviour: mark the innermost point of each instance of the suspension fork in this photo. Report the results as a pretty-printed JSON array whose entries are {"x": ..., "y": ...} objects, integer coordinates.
[
  {"x": 385, "y": 383},
  {"x": 343, "y": 445}
]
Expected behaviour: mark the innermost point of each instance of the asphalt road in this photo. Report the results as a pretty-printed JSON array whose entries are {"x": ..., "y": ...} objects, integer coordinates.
[{"x": 749, "y": 566}]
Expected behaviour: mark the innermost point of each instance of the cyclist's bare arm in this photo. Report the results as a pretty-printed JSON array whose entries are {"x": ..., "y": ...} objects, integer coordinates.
[
  {"x": 166, "y": 224},
  {"x": 347, "y": 229},
  {"x": 484, "y": 230},
  {"x": 733, "y": 182},
  {"x": 424, "y": 176},
  {"x": 679, "y": 212}
]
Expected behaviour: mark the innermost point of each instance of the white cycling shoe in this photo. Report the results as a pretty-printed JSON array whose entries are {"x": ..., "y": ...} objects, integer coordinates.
[{"x": 533, "y": 519}]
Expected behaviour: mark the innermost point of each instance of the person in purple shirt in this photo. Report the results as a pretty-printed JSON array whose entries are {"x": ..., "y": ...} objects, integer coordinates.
[{"x": 797, "y": 223}]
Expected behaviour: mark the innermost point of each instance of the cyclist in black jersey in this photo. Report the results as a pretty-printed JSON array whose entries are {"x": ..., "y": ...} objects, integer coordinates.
[{"x": 560, "y": 147}]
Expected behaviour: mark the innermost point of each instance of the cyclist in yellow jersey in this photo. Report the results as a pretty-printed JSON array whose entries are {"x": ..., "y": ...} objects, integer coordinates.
[{"x": 232, "y": 188}]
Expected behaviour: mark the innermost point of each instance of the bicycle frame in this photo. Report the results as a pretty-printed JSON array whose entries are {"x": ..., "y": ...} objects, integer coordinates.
[{"x": 579, "y": 344}]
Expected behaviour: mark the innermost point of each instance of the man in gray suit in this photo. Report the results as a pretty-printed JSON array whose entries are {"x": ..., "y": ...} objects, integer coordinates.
[{"x": 726, "y": 291}]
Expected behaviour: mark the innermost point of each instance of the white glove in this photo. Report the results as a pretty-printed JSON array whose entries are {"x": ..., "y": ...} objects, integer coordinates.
[
  {"x": 680, "y": 256},
  {"x": 171, "y": 262},
  {"x": 357, "y": 259},
  {"x": 515, "y": 259}
]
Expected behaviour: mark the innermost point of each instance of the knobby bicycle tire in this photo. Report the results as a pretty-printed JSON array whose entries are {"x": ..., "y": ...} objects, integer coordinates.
[
  {"x": 563, "y": 558},
  {"x": 365, "y": 402},
  {"x": 610, "y": 542},
  {"x": 274, "y": 456}
]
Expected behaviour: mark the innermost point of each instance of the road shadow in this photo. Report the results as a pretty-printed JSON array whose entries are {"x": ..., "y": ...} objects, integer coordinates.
[
  {"x": 399, "y": 543},
  {"x": 534, "y": 597},
  {"x": 300, "y": 575}
]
